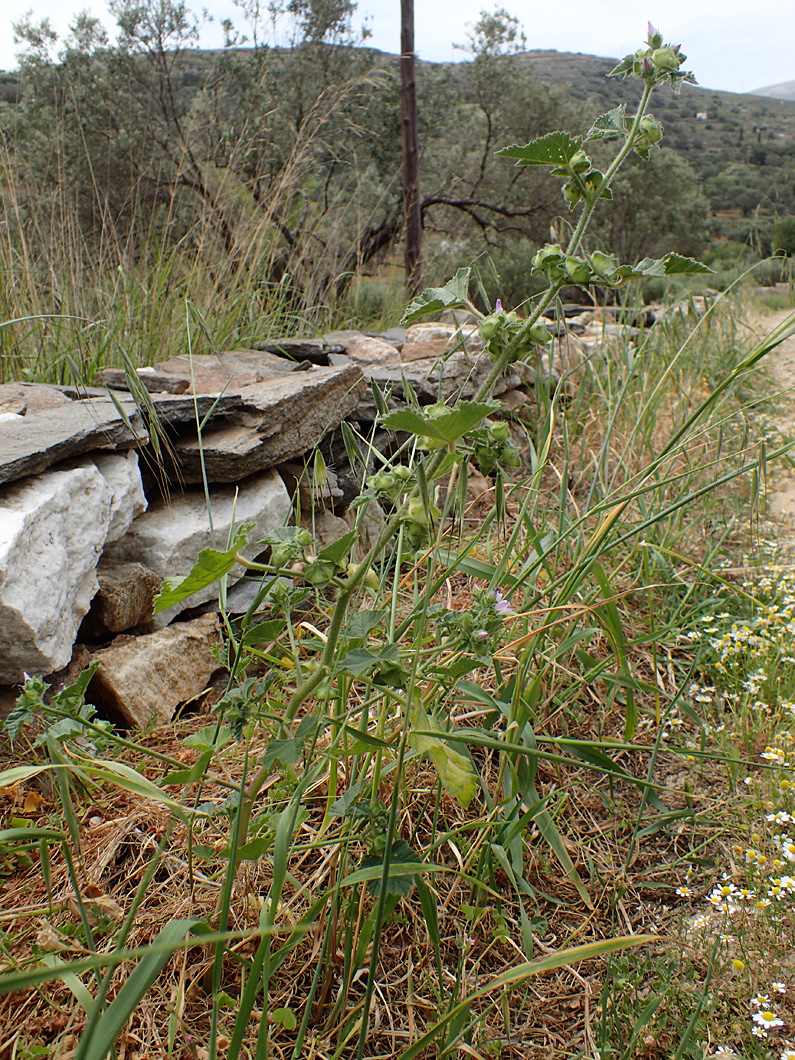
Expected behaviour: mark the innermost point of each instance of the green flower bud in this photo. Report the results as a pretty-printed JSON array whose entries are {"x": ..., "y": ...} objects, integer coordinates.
[
  {"x": 579, "y": 162},
  {"x": 651, "y": 128},
  {"x": 578, "y": 270},
  {"x": 539, "y": 335},
  {"x": 489, "y": 325},
  {"x": 416, "y": 512},
  {"x": 509, "y": 455},
  {"x": 667, "y": 59},
  {"x": 500, "y": 432}
]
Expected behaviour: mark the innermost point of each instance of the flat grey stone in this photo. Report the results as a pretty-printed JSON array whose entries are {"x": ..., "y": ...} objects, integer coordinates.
[
  {"x": 456, "y": 376},
  {"x": 31, "y": 443},
  {"x": 269, "y": 423}
]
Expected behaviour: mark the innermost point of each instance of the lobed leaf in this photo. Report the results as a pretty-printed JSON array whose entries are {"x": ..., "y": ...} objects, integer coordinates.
[
  {"x": 609, "y": 124},
  {"x": 435, "y": 299},
  {"x": 208, "y": 568},
  {"x": 554, "y": 149}
]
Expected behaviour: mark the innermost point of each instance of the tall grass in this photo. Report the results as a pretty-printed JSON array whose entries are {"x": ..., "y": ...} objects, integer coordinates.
[
  {"x": 316, "y": 883},
  {"x": 79, "y": 293}
]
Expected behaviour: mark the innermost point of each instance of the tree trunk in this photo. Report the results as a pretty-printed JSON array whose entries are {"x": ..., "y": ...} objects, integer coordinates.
[{"x": 412, "y": 220}]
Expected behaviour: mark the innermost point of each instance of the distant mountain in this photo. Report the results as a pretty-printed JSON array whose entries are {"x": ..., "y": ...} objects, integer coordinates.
[{"x": 786, "y": 90}]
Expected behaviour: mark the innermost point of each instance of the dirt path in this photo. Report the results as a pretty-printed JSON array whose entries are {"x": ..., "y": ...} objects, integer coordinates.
[{"x": 781, "y": 362}]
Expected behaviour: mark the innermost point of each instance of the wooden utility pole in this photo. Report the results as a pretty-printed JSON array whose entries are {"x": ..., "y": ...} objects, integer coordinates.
[{"x": 412, "y": 220}]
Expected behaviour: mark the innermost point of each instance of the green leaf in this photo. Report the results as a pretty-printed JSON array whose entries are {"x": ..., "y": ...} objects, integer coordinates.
[
  {"x": 264, "y": 632},
  {"x": 206, "y": 739},
  {"x": 362, "y": 661},
  {"x": 435, "y": 299},
  {"x": 285, "y": 1017},
  {"x": 124, "y": 776},
  {"x": 28, "y": 702},
  {"x": 554, "y": 149},
  {"x": 609, "y": 124},
  {"x": 189, "y": 776},
  {"x": 399, "y": 882},
  {"x": 454, "y": 768},
  {"x": 339, "y": 549},
  {"x": 670, "y": 265},
  {"x": 209, "y": 567},
  {"x": 360, "y": 625},
  {"x": 447, "y": 427},
  {"x": 100, "y": 1034}
]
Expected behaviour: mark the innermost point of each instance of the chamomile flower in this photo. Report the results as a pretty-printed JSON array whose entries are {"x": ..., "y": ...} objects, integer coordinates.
[
  {"x": 767, "y": 1019},
  {"x": 788, "y": 1054},
  {"x": 780, "y": 988},
  {"x": 684, "y": 892},
  {"x": 760, "y": 1001}
]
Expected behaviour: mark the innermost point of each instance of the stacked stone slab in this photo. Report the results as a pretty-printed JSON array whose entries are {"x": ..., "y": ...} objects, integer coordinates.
[{"x": 105, "y": 491}]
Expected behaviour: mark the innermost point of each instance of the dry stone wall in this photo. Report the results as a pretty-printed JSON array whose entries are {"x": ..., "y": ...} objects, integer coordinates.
[{"x": 102, "y": 493}]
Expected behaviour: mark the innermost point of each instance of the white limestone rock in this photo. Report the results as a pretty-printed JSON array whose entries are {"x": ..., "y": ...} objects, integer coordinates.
[
  {"x": 122, "y": 474},
  {"x": 168, "y": 537},
  {"x": 52, "y": 530}
]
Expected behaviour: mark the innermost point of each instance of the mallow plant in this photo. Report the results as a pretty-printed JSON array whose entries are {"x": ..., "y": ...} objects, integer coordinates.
[{"x": 363, "y": 700}]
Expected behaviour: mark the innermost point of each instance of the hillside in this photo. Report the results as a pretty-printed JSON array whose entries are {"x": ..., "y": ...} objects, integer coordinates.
[
  {"x": 283, "y": 166},
  {"x": 785, "y": 90}
]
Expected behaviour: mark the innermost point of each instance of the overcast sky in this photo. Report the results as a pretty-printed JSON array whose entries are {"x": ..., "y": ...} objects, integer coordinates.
[{"x": 731, "y": 44}]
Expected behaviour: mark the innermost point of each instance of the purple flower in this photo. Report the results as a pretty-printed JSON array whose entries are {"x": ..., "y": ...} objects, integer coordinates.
[
  {"x": 481, "y": 634},
  {"x": 498, "y": 306},
  {"x": 501, "y": 605}
]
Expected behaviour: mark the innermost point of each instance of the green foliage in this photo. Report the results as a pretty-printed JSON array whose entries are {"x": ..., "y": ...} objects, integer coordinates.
[
  {"x": 784, "y": 236},
  {"x": 365, "y": 750},
  {"x": 211, "y": 565}
]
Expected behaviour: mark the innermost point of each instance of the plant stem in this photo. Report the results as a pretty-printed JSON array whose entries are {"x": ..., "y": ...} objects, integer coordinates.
[{"x": 509, "y": 353}]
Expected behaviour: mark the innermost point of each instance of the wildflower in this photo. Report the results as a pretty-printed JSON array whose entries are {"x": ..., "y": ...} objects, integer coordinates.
[
  {"x": 781, "y": 817},
  {"x": 780, "y": 988},
  {"x": 501, "y": 605},
  {"x": 760, "y": 1001},
  {"x": 684, "y": 892},
  {"x": 725, "y": 890},
  {"x": 767, "y": 1019},
  {"x": 699, "y": 922},
  {"x": 745, "y": 895},
  {"x": 788, "y": 849},
  {"x": 759, "y": 1032},
  {"x": 738, "y": 965},
  {"x": 788, "y": 1054},
  {"x": 774, "y": 754}
]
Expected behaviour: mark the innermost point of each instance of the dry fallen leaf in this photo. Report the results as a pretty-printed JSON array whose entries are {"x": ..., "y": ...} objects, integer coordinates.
[
  {"x": 33, "y": 800},
  {"x": 49, "y": 939}
]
